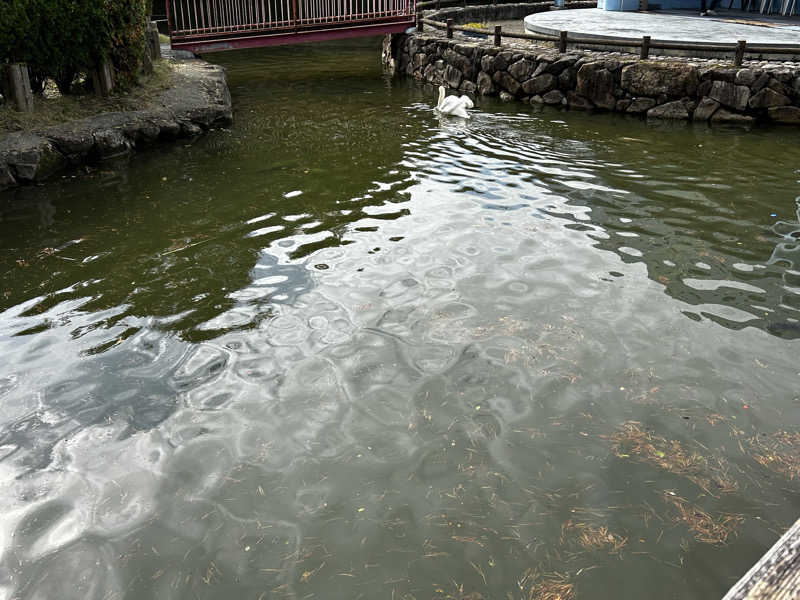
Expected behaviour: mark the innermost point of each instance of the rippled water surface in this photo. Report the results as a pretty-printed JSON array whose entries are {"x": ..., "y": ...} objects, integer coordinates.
[{"x": 347, "y": 350}]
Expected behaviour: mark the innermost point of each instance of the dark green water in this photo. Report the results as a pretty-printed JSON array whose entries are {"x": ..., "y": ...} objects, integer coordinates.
[{"x": 347, "y": 350}]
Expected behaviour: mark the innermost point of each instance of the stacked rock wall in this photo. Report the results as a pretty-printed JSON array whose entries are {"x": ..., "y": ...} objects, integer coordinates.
[{"x": 667, "y": 89}]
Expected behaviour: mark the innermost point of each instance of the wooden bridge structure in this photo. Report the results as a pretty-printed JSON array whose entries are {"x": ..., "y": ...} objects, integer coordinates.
[{"x": 215, "y": 25}]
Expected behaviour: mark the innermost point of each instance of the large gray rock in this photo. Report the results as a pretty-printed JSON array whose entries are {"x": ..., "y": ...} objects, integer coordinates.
[
  {"x": 540, "y": 85},
  {"x": 768, "y": 98},
  {"x": 730, "y": 95},
  {"x": 726, "y": 116},
  {"x": 460, "y": 62},
  {"x": 487, "y": 64},
  {"x": 578, "y": 102},
  {"x": 74, "y": 140},
  {"x": 112, "y": 143},
  {"x": 705, "y": 109},
  {"x": 521, "y": 69},
  {"x": 648, "y": 78},
  {"x": 502, "y": 61},
  {"x": 675, "y": 110},
  {"x": 29, "y": 157},
  {"x": 557, "y": 67},
  {"x": 784, "y": 114},
  {"x": 746, "y": 76},
  {"x": 596, "y": 83},
  {"x": 485, "y": 84},
  {"x": 452, "y": 76},
  {"x": 504, "y": 81},
  {"x": 641, "y": 105}
]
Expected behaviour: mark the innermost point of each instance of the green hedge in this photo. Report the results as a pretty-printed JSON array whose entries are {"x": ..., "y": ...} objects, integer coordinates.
[{"x": 61, "y": 38}]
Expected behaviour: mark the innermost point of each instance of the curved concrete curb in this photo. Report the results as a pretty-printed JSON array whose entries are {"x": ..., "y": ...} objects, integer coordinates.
[{"x": 197, "y": 101}]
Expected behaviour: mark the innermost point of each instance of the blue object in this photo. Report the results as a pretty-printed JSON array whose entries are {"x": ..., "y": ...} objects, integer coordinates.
[{"x": 618, "y": 4}]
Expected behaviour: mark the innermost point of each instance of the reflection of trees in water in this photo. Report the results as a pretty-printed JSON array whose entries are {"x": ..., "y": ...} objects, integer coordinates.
[{"x": 181, "y": 250}]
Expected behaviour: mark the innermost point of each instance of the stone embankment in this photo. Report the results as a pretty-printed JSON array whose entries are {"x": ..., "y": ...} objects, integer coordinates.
[
  {"x": 197, "y": 100},
  {"x": 686, "y": 89}
]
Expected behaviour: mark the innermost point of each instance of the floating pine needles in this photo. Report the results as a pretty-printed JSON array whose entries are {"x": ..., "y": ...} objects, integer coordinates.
[
  {"x": 546, "y": 586},
  {"x": 632, "y": 441},
  {"x": 705, "y": 528},
  {"x": 591, "y": 538},
  {"x": 779, "y": 453}
]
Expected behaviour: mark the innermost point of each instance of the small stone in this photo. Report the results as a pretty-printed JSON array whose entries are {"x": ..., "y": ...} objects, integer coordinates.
[
  {"x": 537, "y": 99},
  {"x": 784, "y": 114},
  {"x": 467, "y": 87},
  {"x": 622, "y": 104},
  {"x": 726, "y": 116},
  {"x": 641, "y": 105},
  {"x": 675, "y": 110},
  {"x": 553, "y": 97},
  {"x": 504, "y": 81},
  {"x": 506, "y": 97}
]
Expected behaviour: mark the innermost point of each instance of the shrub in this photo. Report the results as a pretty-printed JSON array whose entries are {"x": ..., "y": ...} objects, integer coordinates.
[{"x": 60, "y": 38}]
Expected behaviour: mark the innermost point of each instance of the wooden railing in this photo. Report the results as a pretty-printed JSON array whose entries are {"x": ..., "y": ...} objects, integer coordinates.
[{"x": 564, "y": 38}]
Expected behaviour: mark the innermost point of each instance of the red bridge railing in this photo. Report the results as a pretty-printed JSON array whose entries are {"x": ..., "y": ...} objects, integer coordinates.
[{"x": 212, "y": 25}]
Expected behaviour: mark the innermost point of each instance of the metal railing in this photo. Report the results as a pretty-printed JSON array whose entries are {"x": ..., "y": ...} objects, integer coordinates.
[{"x": 203, "y": 18}]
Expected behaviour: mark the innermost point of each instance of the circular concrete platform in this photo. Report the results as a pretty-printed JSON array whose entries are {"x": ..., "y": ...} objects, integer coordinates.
[{"x": 681, "y": 26}]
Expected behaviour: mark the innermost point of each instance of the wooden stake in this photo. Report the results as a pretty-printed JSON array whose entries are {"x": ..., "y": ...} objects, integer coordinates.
[
  {"x": 449, "y": 29},
  {"x": 103, "y": 78},
  {"x": 645, "y": 47},
  {"x": 420, "y": 24},
  {"x": 17, "y": 86},
  {"x": 497, "y": 35},
  {"x": 562, "y": 41},
  {"x": 739, "y": 57}
]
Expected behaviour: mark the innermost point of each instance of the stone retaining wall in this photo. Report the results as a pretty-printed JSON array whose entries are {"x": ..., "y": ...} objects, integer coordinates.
[
  {"x": 699, "y": 90},
  {"x": 198, "y": 100}
]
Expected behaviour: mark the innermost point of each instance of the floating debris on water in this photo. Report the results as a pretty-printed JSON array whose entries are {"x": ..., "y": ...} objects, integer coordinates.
[
  {"x": 706, "y": 528},
  {"x": 634, "y": 442},
  {"x": 779, "y": 452}
]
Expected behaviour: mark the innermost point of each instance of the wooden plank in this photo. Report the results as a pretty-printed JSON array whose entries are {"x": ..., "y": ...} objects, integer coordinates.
[{"x": 776, "y": 576}]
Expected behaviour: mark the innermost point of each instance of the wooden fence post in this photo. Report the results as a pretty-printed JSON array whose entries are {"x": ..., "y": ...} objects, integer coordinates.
[
  {"x": 562, "y": 41},
  {"x": 17, "y": 86},
  {"x": 103, "y": 78},
  {"x": 449, "y": 29},
  {"x": 420, "y": 24},
  {"x": 739, "y": 56},
  {"x": 645, "y": 47},
  {"x": 153, "y": 41},
  {"x": 497, "y": 35}
]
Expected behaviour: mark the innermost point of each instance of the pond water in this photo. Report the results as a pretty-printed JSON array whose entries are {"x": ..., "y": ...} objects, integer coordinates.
[{"x": 349, "y": 350}]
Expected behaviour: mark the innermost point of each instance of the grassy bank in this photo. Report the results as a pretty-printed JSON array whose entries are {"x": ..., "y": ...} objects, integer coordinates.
[{"x": 58, "y": 109}]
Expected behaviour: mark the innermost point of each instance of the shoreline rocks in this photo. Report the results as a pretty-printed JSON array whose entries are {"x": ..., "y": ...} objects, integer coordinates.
[
  {"x": 198, "y": 100},
  {"x": 677, "y": 89}
]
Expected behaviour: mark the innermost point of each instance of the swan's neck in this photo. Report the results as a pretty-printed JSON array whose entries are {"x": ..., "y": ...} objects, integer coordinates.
[{"x": 441, "y": 97}]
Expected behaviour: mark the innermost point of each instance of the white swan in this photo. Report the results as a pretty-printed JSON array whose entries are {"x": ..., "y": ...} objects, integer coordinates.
[{"x": 453, "y": 105}]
